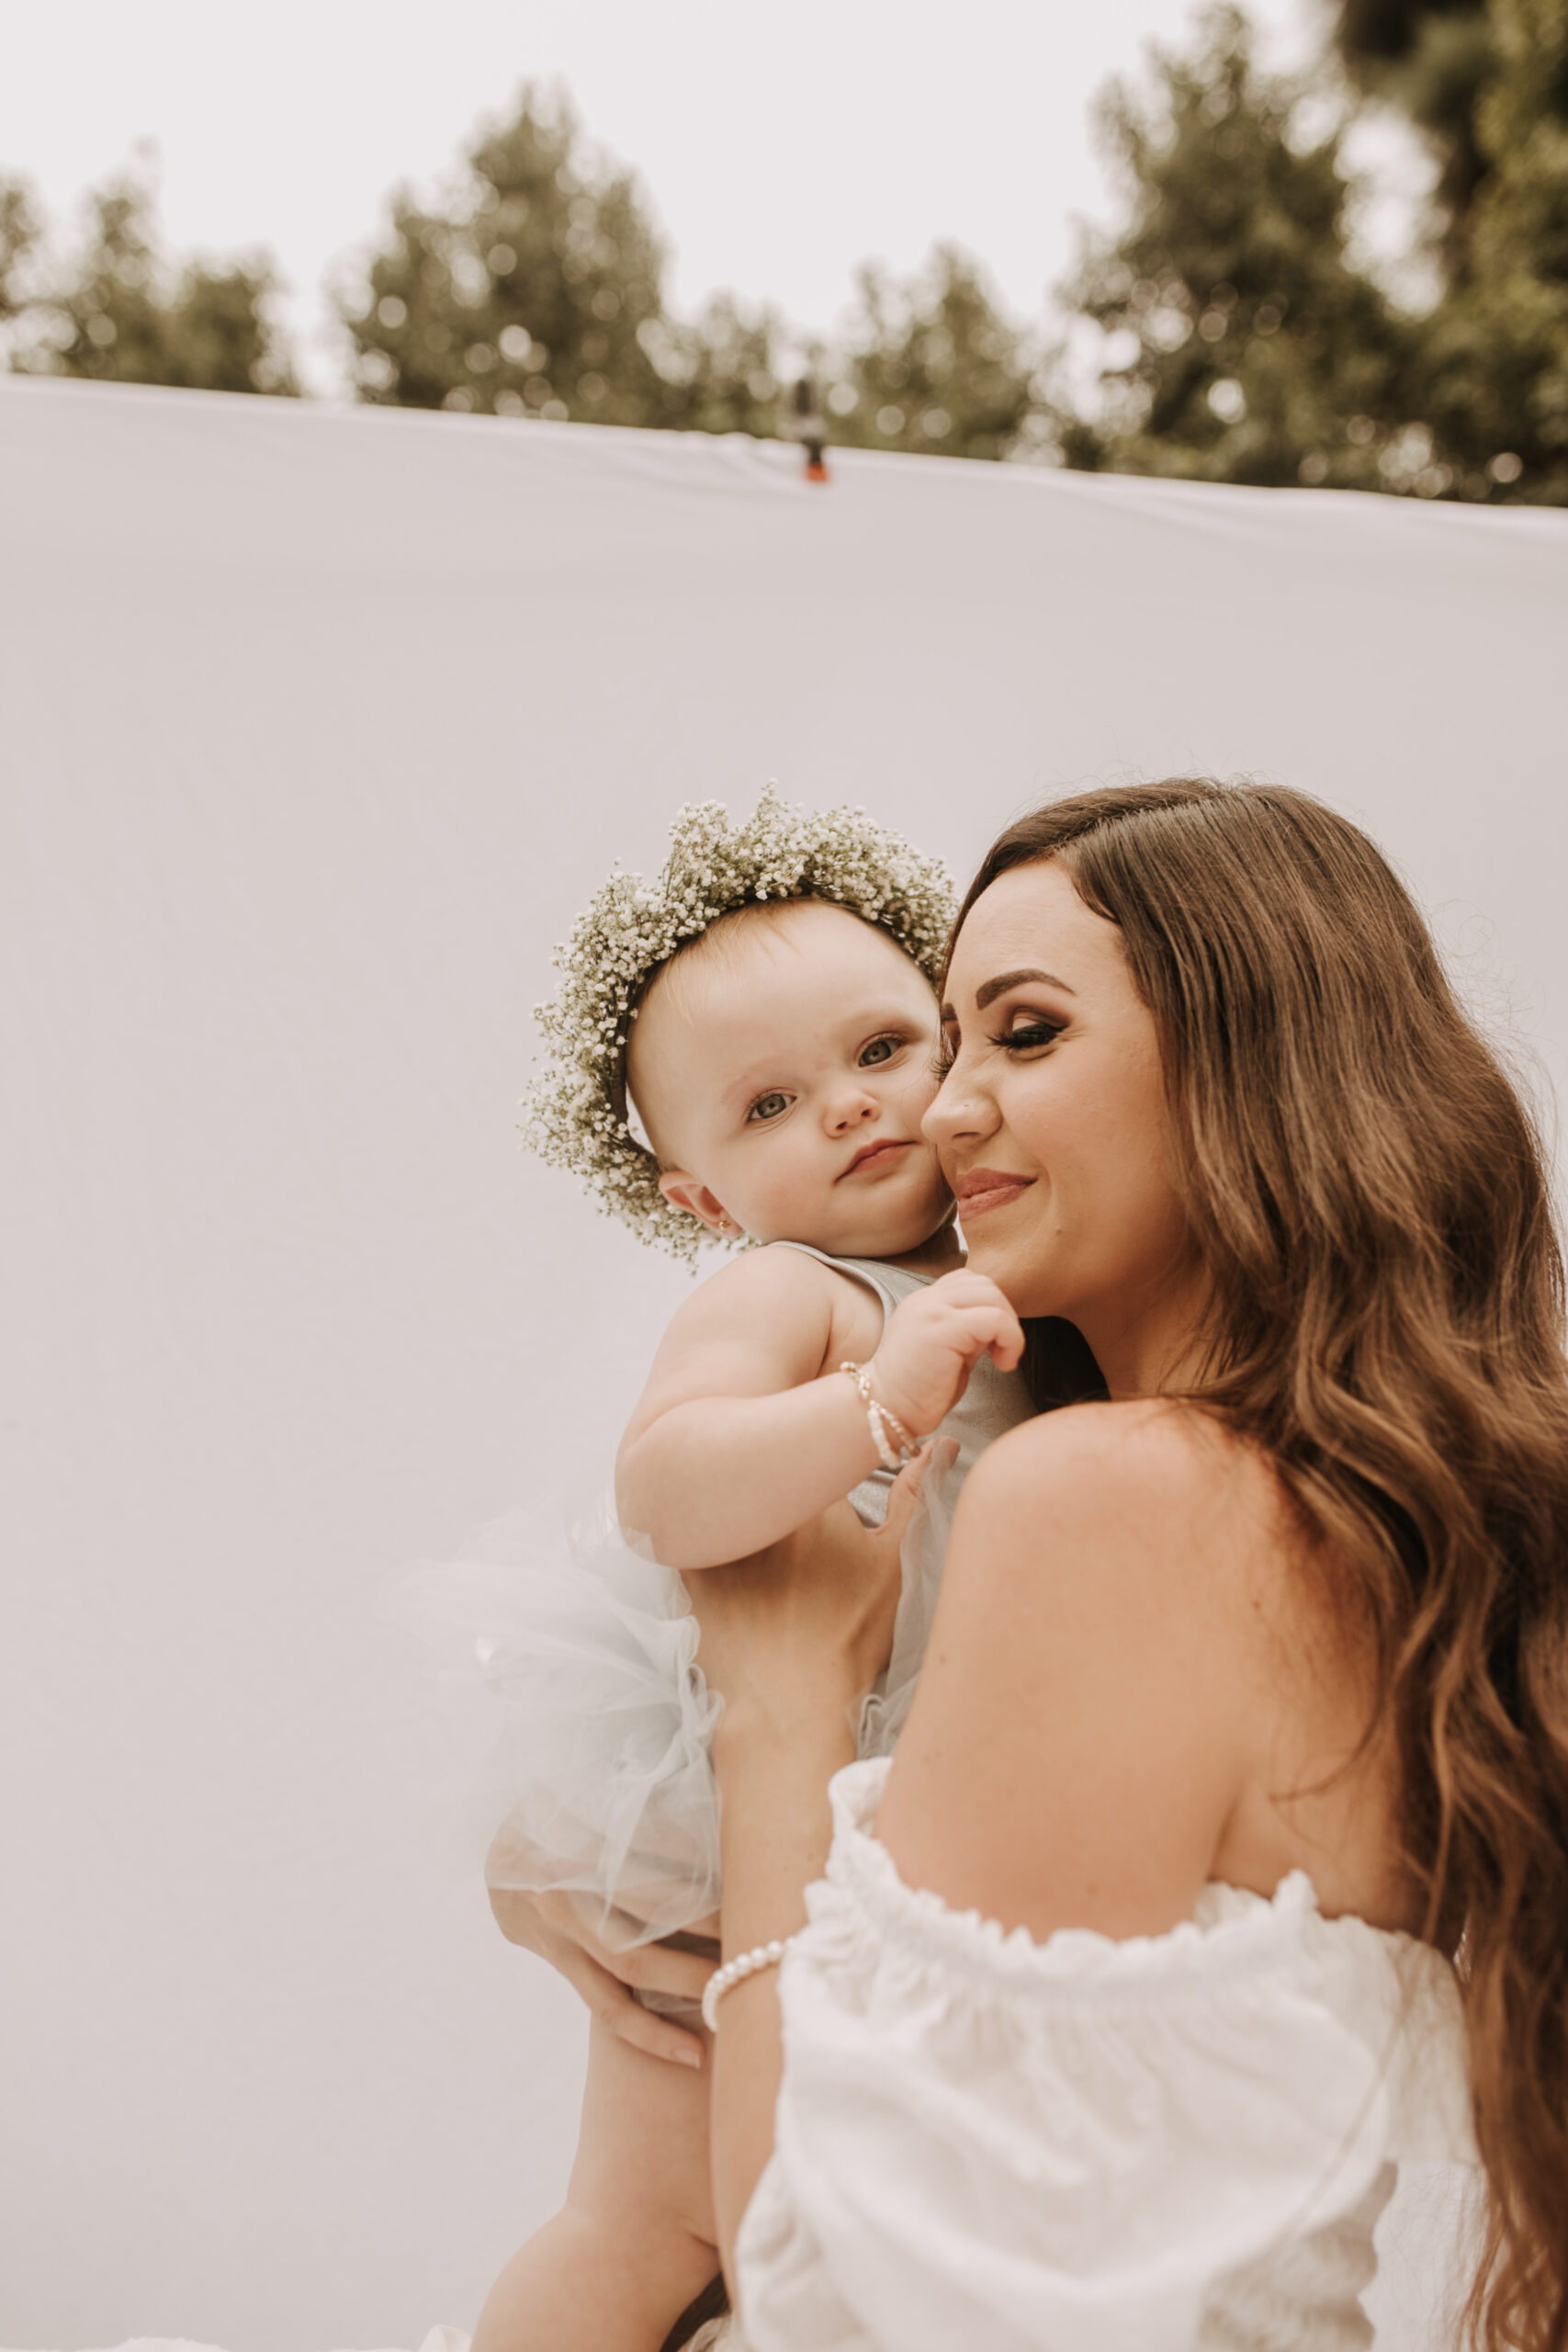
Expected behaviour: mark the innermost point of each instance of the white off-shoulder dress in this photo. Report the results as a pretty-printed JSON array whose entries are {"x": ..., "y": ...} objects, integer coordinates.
[{"x": 1169, "y": 2143}]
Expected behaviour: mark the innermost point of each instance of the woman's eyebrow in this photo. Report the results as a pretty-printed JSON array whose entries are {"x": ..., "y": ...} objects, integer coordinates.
[{"x": 991, "y": 989}]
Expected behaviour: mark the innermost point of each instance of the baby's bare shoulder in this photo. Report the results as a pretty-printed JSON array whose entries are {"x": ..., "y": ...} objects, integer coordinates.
[
  {"x": 772, "y": 1277},
  {"x": 767, "y": 1320}
]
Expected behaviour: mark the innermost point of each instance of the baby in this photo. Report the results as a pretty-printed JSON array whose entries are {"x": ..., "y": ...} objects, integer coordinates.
[{"x": 781, "y": 1060}]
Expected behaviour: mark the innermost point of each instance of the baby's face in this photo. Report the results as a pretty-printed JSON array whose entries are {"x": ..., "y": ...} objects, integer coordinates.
[{"x": 783, "y": 1071}]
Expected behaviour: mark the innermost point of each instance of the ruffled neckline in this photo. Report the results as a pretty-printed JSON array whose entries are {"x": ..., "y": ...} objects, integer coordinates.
[{"x": 1232, "y": 1929}]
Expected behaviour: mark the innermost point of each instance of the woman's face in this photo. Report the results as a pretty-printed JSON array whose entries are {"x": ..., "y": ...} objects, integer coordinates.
[{"x": 1050, "y": 1121}]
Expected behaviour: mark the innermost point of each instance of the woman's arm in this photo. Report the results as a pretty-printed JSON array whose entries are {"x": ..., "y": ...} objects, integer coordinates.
[
  {"x": 777, "y": 1830},
  {"x": 792, "y": 1640}
]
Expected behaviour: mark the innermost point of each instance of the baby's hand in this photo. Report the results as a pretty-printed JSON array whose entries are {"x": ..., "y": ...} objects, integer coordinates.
[{"x": 933, "y": 1341}]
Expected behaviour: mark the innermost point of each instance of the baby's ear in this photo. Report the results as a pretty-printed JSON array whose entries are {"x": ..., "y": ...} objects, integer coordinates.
[{"x": 689, "y": 1193}]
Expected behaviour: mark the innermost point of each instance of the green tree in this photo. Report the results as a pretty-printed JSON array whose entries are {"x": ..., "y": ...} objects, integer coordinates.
[
  {"x": 932, "y": 365},
  {"x": 1495, "y": 349},
  {"x": 119, "y": 312},
  {"x": 1484, "y": 82},
  {"x": 19, "y": 232},
  {"x": 1244, "y": 346},
  {"x": 538, "y": 290},
  {"x": 720, "y": 373},
  {"x": 1432, "y": 59},
  {"x": 536, "y": 287}
]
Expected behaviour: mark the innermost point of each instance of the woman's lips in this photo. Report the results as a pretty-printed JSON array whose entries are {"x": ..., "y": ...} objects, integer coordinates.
[{"x": 987, "y": 1187}]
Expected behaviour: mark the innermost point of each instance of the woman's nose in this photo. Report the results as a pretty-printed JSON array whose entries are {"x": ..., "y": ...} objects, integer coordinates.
[{"x": 957, "y": 1111}]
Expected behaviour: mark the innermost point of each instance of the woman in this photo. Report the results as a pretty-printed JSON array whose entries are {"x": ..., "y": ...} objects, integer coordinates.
[{"x": 1257, "y": 1672}]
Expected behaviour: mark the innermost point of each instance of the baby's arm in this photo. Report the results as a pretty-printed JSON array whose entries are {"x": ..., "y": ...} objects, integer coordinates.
[
  {"x": 736, "y": 1440},
  {"x": 745, "y": 1429}
]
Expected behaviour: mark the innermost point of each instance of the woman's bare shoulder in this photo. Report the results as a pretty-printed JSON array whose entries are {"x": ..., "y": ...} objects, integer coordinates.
[
  {"x": 1153, "y": 1480},
  {"x": 1098, "y": 1633}
]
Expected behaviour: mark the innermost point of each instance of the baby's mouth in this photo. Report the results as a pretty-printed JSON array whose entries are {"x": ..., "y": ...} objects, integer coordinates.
[{"x": 877, "y": 1154}]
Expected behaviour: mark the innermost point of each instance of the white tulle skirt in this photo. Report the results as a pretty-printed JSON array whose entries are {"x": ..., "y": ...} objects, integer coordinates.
[{"x": 584, "y": 1653}]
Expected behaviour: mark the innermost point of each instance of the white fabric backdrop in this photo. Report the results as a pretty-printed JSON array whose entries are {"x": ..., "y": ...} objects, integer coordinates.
[{"x": 317, "y": 727}]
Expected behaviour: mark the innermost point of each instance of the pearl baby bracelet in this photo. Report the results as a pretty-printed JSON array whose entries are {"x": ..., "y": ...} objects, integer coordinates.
[
  {"x": 887, "y": 1431},
  {"x": 735, "y": 1972}
]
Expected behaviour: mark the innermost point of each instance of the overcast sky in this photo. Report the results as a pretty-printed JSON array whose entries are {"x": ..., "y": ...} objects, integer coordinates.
[{"x": 778, "y": 145}]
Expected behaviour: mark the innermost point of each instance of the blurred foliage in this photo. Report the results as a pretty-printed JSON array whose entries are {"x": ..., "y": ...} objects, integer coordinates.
[
  {"x": 117, "y": 310},
  {"x": 1245, "y": 342},
  {"x": 537, "y": 289},
  {"x": 1494, "y": 350},
  {"x": 1432, "y": 59},
  {"x": 932, "y": 365},
  {"x": 1485, "y": 84},
  {"x": 720, "y": 375},
  {"x": 1244, "y": 346},
  {"x": 20, "y": 230},
  {"x": 1238, "y": 333}
]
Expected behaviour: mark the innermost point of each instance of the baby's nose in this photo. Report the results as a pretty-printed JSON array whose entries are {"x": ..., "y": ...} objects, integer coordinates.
[{"x": 853, "y": 1110}]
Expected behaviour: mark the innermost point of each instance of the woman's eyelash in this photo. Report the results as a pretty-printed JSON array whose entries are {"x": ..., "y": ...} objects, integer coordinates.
[
  {"x": 1035, "y": 1033},
  {"x": 1012, "y": 1041}
]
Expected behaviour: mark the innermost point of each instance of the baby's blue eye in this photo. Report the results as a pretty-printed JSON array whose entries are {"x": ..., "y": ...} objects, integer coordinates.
[
  {"x": 881, "y": 1049},
  {"x": 769, "y": 1106}
]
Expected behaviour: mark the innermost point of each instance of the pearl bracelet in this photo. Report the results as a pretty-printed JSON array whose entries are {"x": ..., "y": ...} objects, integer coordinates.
[
  {"x": 735, "y": 1972},
  {"x": 886, "y": 1429}
]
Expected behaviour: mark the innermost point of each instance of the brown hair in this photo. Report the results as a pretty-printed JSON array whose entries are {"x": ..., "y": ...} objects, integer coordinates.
[{"x": 1369, "y": 1196}]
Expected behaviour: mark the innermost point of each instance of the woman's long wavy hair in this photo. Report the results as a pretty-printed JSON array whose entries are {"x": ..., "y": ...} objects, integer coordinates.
[{"x": 1370, "y": 1198}]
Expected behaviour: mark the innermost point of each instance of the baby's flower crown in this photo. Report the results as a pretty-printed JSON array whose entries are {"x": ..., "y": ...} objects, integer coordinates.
[{"x": 575, "y": 1111}]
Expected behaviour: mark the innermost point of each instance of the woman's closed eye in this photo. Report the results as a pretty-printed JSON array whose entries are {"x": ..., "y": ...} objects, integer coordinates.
[{"x": 1026, "y": 1032}]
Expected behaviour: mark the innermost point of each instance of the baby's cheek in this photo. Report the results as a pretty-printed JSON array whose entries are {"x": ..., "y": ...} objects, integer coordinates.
[
  {"x": 793, "y": 1189},
  {"x": 918, "y": 1090}
]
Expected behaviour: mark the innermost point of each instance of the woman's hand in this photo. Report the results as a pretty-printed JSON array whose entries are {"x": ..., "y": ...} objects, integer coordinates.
[
  {"x": 933, "y": 1342},
  {"x": 548, "y": 1924}
]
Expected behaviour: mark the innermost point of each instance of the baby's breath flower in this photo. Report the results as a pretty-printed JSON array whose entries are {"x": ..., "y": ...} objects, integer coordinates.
[{"x": 574, "y": 1113}]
